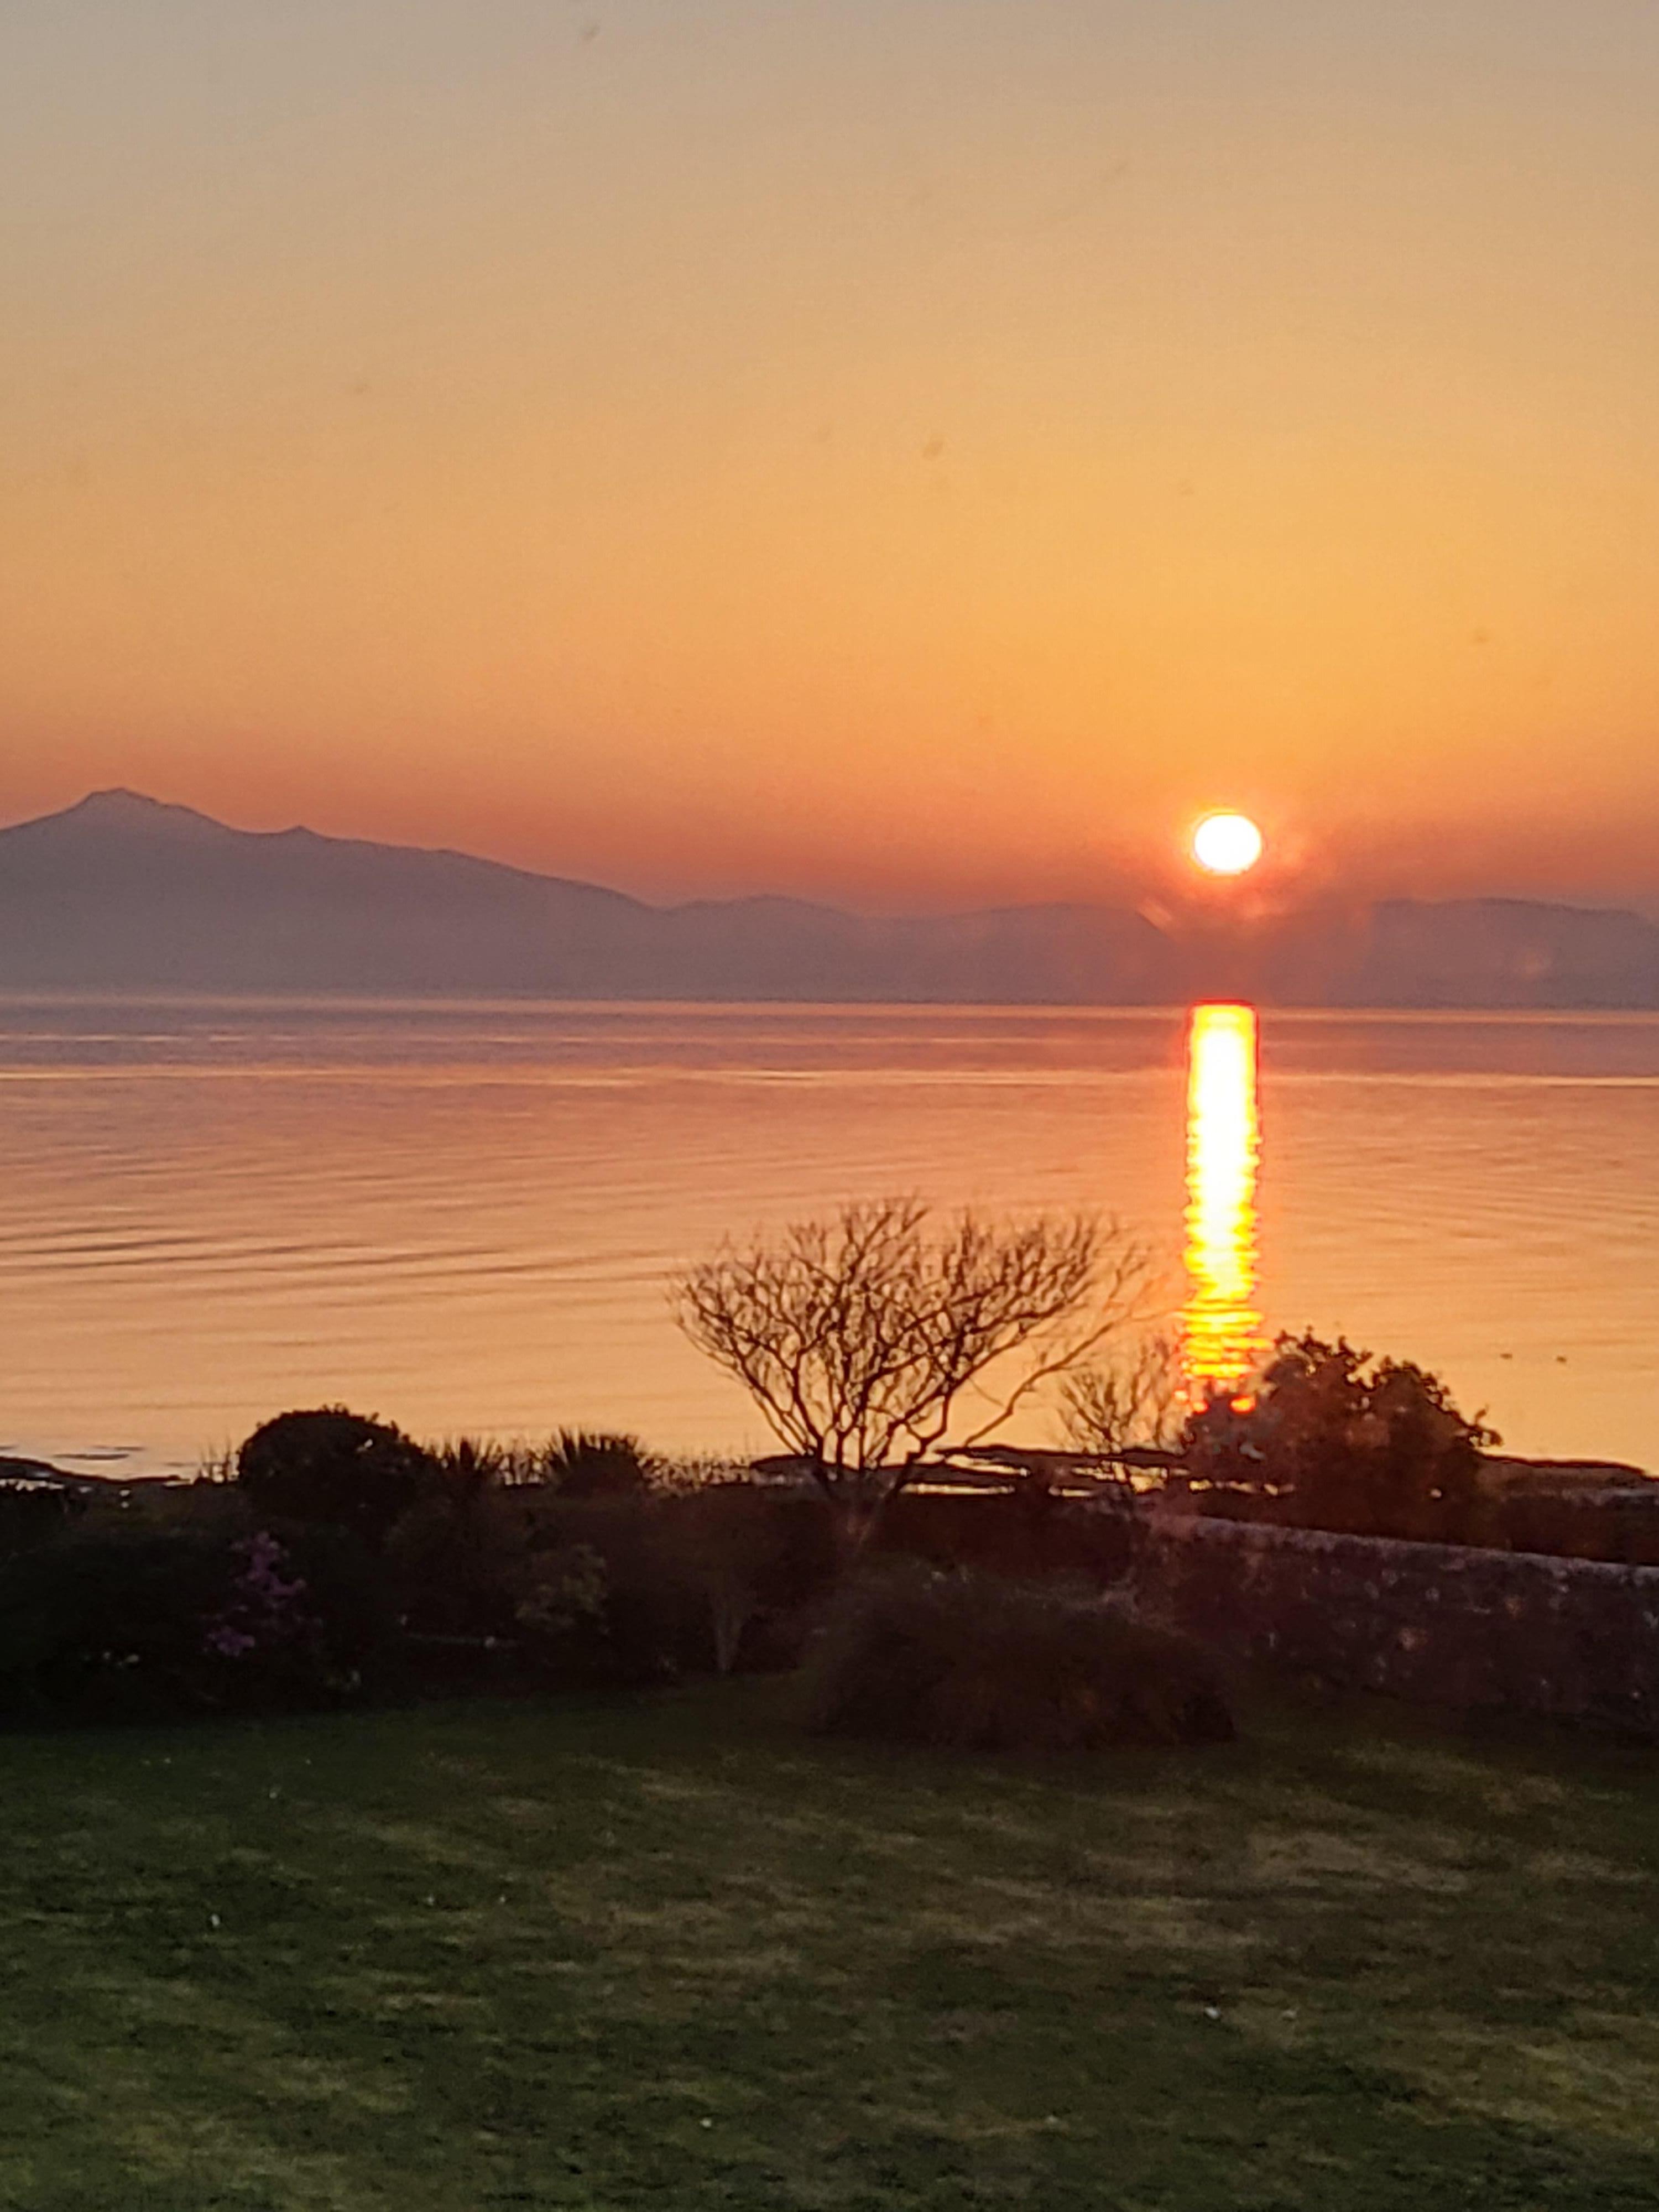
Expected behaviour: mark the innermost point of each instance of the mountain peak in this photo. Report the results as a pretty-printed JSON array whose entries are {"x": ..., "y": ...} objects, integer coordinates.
[{"x": 120, "y": 809}]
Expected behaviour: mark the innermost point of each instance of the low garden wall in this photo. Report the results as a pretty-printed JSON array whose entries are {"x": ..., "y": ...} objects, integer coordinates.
[{"x": 1577, "y": 1639}]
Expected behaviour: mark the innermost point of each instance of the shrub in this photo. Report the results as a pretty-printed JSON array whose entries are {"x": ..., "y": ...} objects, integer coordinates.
[
  {"x": 1343, "y": 1441},
  {"x": 1026, "y": 1534},
  {"x": 977, "y": 1663},
  {"x": 458, "y": 1557},
  {"x": 33, "y": 1512},
  {"x": 109, "y": 1625},
  {"x": 757, "y": 1561},
  {"x": 330, "y": 1465},
  {"x": 304, "y": 1620},
  {"x": 346, "y": 1588},
  {"x": 594, "y": 1588},
  {"x": 147, "y": 1622},
  {"x": 646, "y": 1625},
  {"x": 590, "y": 1463},
  {"x": 562, "y": 1606}
]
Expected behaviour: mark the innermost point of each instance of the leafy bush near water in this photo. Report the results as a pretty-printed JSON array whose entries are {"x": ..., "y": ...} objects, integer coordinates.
[
  {"x": 579, "y": 1590},
  {"x": 597, "y": 1578},
  {"x": 707, "y": 1580},
  {"x": 1335, "y": 1439},
  {"x": 971, "y": 1662},
  {"x": 332, "y": 1465}
]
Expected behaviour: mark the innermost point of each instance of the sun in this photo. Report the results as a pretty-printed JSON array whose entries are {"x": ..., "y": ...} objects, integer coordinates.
[{"x": 1226, "y": 844}]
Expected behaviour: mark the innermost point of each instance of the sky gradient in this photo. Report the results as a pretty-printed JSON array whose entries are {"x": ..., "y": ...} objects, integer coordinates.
[{"x": 916, "y": 453}]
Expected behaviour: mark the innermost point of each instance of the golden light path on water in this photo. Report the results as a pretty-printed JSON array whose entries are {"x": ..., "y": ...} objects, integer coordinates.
[{"x": 1221, "y": 1325}]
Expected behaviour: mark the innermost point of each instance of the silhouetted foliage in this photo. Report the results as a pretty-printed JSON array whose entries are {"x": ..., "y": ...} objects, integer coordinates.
[
  {"x": 115, "y": 1623},
  {"x": 1586, "y": 1521},
  {"x": 592, "y": 1463},
  {"x": 458, "y": 1557},
  {"x": 1344, "y": 1441},
  {"x": 977, "y": 1663},
  {"x": 173, "y": 1598},
  {"x": 1025, "y": 1532},
  {"x": 596, "y": 1588},
  {"x": 586, "y": 1573},
  {"x": 333, "y": 1465},
  {"x": 109, "y": 1625},
  {"x": 651, "y": 1625},
  {"x": 307, "y": 1620},
  {"x": 33, "y": 1512},
  {"x": 756, "y": 1559}
]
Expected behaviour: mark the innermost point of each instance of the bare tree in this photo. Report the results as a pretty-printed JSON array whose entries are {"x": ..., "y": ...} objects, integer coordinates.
[
  {"x": 1134, "y": 1397},
  {"x": 870, "y": 1340}
]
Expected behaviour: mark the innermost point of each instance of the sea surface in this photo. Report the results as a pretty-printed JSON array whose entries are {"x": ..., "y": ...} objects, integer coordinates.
[{"x": 464, "y": 1216}]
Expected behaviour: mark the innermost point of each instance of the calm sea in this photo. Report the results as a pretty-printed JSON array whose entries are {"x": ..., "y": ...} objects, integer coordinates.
[{"x": 462, "y": 1216}]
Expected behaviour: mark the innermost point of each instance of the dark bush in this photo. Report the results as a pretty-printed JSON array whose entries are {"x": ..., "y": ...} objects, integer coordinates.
[
  {"x": 757, "y": 1561},
  {"x": 589, "y": 1589},
  {"x": 346, "y": 1593},
  {"x": 589, "y": 1463},
  {"x": 977, "y": 1663},
  {"x": 33, "y": 1512},
  {"x": 719, "y": 1577},
  {"x": 1334, "y": 1439},
  {"x": 1619, "y": 1524},
  {"x": 647, "y": 1625},
  {"x": 145, "y": 1623},
  {"x": 110, "y": 1626},
  {"x": 458, "y": 1557},
  {"x": 566, "y": 1623},
  {"x": 1027, "y": 1533},
  {"x": 330, "y": 1465}
]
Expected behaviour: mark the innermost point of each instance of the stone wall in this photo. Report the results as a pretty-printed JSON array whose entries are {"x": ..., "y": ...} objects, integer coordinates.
[{"x": 1577, "y": 1639}]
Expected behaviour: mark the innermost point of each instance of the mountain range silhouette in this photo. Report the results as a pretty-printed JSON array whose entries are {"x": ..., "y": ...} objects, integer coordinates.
[{"x": 122, "y": 893}]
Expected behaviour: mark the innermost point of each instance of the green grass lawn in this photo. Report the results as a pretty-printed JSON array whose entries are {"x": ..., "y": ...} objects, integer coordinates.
[{"x": 668, "y": 1953}]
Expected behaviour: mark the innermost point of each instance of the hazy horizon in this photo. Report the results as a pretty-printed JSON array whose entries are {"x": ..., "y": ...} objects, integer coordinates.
[{"x": 1139, "y": 889}]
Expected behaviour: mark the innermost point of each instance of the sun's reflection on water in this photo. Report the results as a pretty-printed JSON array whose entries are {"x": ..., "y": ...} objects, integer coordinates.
[{"x": 1221, "y": 1325}]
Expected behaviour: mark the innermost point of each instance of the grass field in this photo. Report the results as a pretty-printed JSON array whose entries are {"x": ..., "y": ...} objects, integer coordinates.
[{"x": 668, "y": 1953}]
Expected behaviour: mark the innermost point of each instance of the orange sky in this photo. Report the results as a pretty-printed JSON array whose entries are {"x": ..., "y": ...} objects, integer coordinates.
[{"x": 907, "y": 452}]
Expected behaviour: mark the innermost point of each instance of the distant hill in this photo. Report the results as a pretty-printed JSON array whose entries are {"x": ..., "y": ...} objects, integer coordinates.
[
  {"x": 1506, "y": 952},
  {"x": 122, "y": 893}
]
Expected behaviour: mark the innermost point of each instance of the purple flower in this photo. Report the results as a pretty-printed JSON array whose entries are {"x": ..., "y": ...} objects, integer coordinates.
[{"x": 264, "y": 1612}]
